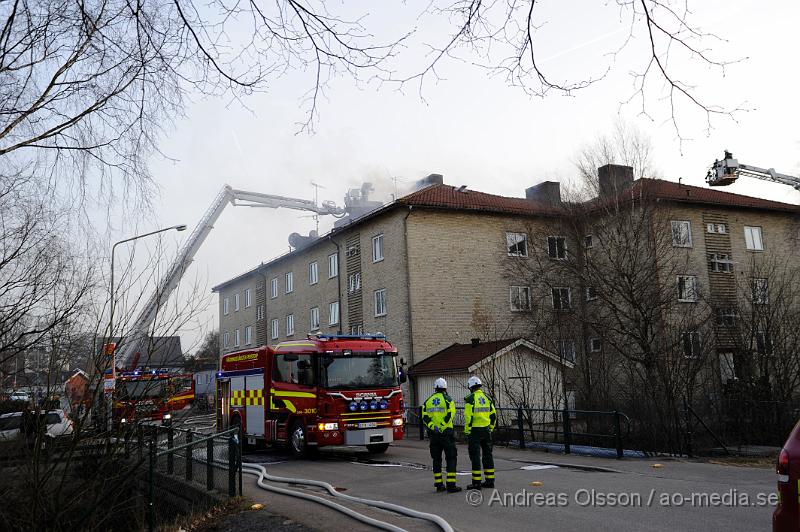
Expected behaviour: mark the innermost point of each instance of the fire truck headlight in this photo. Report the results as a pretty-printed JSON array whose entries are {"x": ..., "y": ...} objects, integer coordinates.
[
  {"x": 373, "y": 405},
  {"x": 397, "y": 422},
  {"x": 167, "y": 417},
  {"x": 353, "y": 406},
  {"x": 363, "y": 406},
  {"x": 384, "y": 404},
  {"x": 328, "y": 426},
  {"x": 123, "y": 420}
]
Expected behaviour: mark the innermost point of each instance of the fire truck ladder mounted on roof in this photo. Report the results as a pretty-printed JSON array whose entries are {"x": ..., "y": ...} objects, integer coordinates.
[
  {"x": 240, "y": 198},
  {"x": 728, "y": 170}
]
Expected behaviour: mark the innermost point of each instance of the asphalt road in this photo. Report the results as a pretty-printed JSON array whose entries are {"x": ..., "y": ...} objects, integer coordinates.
[{"x": 576, "y": 493}]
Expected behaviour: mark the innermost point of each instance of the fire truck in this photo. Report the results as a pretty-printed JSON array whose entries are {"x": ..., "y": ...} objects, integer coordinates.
[
  {"x": 150, "y": 395},
  {"x": 321, "y": 391}
]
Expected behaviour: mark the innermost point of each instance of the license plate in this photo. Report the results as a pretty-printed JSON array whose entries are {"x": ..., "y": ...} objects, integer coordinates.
[{"x": 369, "y": 425}]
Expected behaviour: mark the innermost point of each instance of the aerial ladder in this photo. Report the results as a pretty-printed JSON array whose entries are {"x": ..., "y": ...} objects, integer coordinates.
[
  {"x": 228, "y": 195},
  {"x": 728, "y": 170}
]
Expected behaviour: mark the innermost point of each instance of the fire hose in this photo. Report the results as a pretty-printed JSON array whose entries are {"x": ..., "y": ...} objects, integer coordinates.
[{"x": 261, "y": 472}]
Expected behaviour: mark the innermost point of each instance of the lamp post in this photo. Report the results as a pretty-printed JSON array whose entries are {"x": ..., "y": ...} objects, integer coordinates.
[{"x": 111, "y": 309}]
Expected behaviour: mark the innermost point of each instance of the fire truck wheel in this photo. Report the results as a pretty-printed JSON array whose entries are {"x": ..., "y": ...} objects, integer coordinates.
[
  {"x": 378, "y": 448},
  {"x": 298, "y": 442}
]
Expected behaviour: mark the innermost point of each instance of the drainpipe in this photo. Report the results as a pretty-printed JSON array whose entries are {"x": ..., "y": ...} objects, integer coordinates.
[
  {"x": 408, "y": 306},
  {"x": 338, "y": 280}
]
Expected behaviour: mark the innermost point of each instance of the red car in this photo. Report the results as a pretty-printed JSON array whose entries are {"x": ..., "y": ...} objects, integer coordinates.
[{"x": 787, "y": 515}]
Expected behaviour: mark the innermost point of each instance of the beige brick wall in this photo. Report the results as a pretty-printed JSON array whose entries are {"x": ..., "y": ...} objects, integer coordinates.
[{"x": 241, "y": 319}]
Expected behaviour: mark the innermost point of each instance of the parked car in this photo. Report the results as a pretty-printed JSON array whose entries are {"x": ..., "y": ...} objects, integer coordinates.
[
  {"x": 56, "y": 421},
  {"x": 20, "y": 396},
  {"x": 787, "y": 514}
]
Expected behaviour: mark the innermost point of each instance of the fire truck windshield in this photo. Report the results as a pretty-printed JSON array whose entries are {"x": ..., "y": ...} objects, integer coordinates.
[
  {"x": 141, "y": 389},
  {"x": 359, "y": 370}
]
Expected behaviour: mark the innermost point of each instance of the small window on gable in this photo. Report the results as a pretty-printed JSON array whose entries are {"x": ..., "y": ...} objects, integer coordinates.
[{"x": 517, "y": 244}]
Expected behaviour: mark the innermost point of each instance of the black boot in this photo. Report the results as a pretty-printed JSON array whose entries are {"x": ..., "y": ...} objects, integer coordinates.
[
  {"x": 474, "y": 486},
  {"x": 453, "y": 489},
  {"x": 439, "y": 487},
  {"x": 488, "y": 484}
]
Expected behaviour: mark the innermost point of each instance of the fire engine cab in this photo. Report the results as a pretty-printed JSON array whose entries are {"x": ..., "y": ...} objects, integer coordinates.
[{"x": 306, "y": 394}]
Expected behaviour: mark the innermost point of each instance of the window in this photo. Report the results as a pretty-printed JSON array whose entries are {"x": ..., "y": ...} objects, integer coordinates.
[
  {"x": 260, "y": 312},
  {"x": 248, "y": 299},
  {"x": 720, "y": 262},
  {"x": 294, "y": 369},
  {"x": 681, "y": 234},
  {"x": 354, "y": 282},
  {"x": 562, "y": 299},
  {"x": 595, "y": 345},
  {"x": 357, "y": 329},
  {"x": 226, "y": 339},
  {"x": 687, "y": 288},
  {"x": 760, "y": 291},
  {"x": 313, "y": 273},
  {"x": 314, "y": 318},
  {"x": 588, "y": 241},
  {"x": 763, "y": 343},
  {"x": 722, "y": 229},
  {"x": 333, "y": 265},
  {"x": 289, "y": 282},
  {"x": 557, "y": 247},
  {"x": 566, "y": 349},
  {"x": 691, "y": 344},
  {"x": 273, "y": 288},
  {"x": 380, "y": 302},
  {"x": 248, "y": 335},
  {"x": 517, "y": 244},
  {"x": 752, "y": 238},
  {"x": 333, "y": 313},
  {"x": 274, "y": 329},
  {"x": 726, "y": 317},
  {"x": 353, "y": 250},
  {"x": 591, "y": 293},
  {"x": 727, "y": 368},
  {"x": 520, "y": 298},
  {"x": 237, "y": 338},
  {"x": 236, "y": 302},
  {"x": 711, "y": 228},
  {"x": 377, "y": 248},
  {"x": 290, "y": 325},
  {"x": 226, "y": 306}
]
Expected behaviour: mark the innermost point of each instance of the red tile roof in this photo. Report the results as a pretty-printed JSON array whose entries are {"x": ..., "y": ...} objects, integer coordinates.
[
  {"x": 458, "y": 357},
  {"x": 449, "y": 197}
]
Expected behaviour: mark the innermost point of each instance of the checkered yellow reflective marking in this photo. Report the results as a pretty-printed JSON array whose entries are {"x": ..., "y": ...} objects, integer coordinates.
[{"x": 247, "y": 398}]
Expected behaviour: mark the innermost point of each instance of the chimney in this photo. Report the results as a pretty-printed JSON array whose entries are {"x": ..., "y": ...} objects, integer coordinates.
[
  {"x": 475, "y": 342},
  {"x": 546, "y": 192},
  {"x": 432, "y": 179},
  {"x": 614, "y": 178}
]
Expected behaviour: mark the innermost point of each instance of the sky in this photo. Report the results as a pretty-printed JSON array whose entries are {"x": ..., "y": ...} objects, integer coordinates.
[{"x": 473, "y": 127}]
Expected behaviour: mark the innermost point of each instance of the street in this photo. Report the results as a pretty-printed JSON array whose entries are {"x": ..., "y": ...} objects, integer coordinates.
[{"x": 570, "y": 492}]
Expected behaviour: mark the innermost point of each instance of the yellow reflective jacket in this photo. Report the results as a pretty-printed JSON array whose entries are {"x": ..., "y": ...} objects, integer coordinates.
[
  {"x": 479, "y": 412},
  {"x": 438, "y": 412}
]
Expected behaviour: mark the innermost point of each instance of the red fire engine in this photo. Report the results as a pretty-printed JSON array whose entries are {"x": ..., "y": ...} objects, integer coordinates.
[
  {"x": 325, "y": 390},
  {"x": 151, "y": 395}
]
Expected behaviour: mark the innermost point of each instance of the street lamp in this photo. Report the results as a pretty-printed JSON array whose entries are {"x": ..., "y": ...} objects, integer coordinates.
[{"x": 181, "y": 227}]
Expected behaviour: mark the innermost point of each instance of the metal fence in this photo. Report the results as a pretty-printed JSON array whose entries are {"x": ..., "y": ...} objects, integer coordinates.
[
  {"x": 186, "y": 468},
  {"x": 521, "y": 426}
]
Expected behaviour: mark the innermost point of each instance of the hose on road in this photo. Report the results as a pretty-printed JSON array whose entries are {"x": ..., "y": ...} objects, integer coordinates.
[{"x": 261, "y": 472}]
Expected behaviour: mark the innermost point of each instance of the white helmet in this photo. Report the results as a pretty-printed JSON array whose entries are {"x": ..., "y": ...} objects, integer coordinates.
[
  {"x": 473, "y": 381},
  {"x": 440, "y": 384}
]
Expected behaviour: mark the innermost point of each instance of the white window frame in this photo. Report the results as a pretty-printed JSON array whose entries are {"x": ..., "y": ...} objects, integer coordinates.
[
  {"x": 556, "y": 239},
  {"x": 226, "y": 339},
  {"x": 722, "y": 229},
  {"x": 226, "y": 306},
  {"x": 513, "y": 240},
  {"x": 726, "y": 317},
  {"x": 720, "y": 263},
  {"x": 569, "y": 297},
  {"x": 677, "y": 231},
  {"x": 313, "y": 273},
  {"x": 693, "y": 342},
  {"x": 357, "y": 329},
  {"x": 248, "y": 298},
  {"x": 379, "y": 302},
  {"x": 248, "y": 335},
  {"x": 333, "y": 265},
  {"x": 289, "y": 278},
  {"x": 333, "y": 313},
  {"x": 760, "y": 290},
  {"x": 711, "y": 227},
  {"x": 565, "y": 347},
  {"x": 237, "y": 338},
  {"x": 689, "y": 294},
  {"x": 290, "y": 325},
  {"x": 236, "y": 302},
  {"x": 377, "y": 248},
  {"x": 595, "y": 344},
  {"x": 515, "y": 296},
  {"x": 259, "y": 312},
  {"x": 273, "y": 284},
  {"x": 275, "y": 328},
  {"x": 589, "y": 296},
  {"x": 354, "y": 282},
  {"x": 750, "y": 241},
  {"x": 314, "y": 318}
]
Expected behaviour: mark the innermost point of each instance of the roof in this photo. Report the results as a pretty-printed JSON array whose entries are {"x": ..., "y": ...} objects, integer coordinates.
[
  {"x": 449, "y": 197},
  {"x": 458, "y": 357},
  {"x": 678, "y": 192}
]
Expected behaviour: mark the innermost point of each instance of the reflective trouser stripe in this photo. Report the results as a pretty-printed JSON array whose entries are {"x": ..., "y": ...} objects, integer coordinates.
[
  {"x": 489, "y": 473},
  {"x": 451, "y": 478},
  {"x": 476, "y": 475}
]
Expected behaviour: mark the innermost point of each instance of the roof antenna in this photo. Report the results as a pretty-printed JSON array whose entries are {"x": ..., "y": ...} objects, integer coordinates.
[{"x": 679, "y": 180}]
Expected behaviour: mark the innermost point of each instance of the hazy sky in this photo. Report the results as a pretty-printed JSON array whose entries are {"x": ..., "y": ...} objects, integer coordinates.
[{"x": 475, "y": 129}]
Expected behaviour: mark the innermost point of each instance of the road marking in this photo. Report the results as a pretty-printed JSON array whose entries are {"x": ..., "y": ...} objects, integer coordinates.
[{"x": 538, "y": 467}]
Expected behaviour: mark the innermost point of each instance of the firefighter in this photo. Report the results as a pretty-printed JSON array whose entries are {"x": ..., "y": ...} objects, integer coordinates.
[
  {"x": 437, "y": 414},
  {"x": 480, "y": 418}
]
